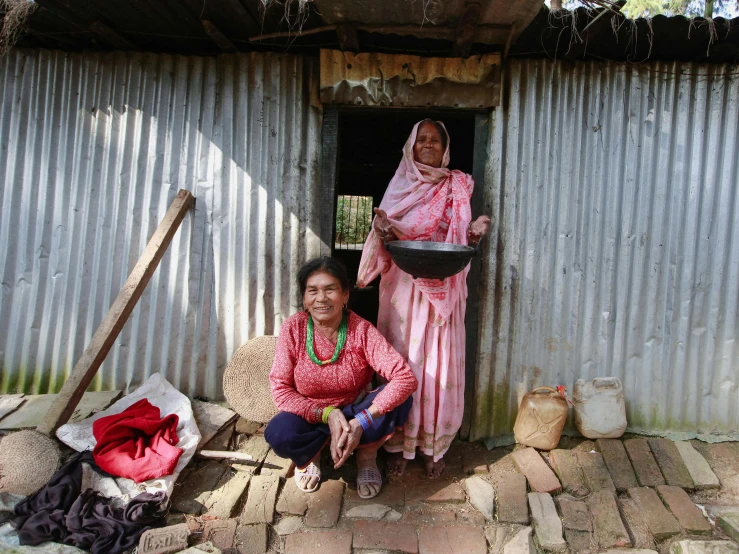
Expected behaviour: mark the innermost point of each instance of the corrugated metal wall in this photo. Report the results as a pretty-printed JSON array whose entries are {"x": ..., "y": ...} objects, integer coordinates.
[
  {"x": 93, "y": 149},
  {"x": 616, "y": 244}
]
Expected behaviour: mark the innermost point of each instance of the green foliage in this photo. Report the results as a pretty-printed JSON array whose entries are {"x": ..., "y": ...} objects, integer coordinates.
[
  {"x": 689, "y": 8},
  {"x": 353, "y": 219}
]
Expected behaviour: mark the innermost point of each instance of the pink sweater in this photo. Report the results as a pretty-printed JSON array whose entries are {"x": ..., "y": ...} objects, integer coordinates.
[{"x": 301, "y": 387}]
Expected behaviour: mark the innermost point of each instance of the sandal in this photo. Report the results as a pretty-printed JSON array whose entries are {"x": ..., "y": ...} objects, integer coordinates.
[
  {"x": 311, "y": 470},
  {"x": 369, "y": 476}
]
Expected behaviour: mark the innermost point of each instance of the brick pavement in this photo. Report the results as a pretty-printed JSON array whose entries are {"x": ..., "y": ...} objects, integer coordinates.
[{"x": 416, "y": 515}]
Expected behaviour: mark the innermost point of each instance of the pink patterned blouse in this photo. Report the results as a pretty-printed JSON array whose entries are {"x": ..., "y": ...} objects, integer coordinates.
[{"x": 301, "y": 387}]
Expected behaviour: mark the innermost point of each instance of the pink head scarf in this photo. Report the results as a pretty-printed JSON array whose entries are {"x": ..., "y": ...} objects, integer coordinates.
[{"x": 419, "y": 199}]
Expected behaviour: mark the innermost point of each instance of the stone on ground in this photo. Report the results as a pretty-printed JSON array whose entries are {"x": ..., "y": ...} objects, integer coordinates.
[
  {"x": 292, "y": 500},
  {"x": 261, "y": 499},
  {"x": 165, "y": 540},
  {"x": 629, "y": 551},
  {"x": 191, "y": 495},
  {"x": 568, "y": 470},
  {"x": 596, "y": 474},
  {"x": 324, "y": 506},
  {"x": 251, "y": 539},
  {"x": 385, "y": 536},
  {"x": 729, "y": 523},
  {"x": 608, "y": 528},
  {"x": 435, "y": 490},
  {"x": 701, "y": 473},
  {"x": 257, "y": 448},
  {"x": 228, "y": 492},
  {"x": 703, "y": 547},
  {"x": 368, "y": 511},
  {"x": 685, "y": 511},
  {"x": 513, "y": 505},
  {"x": 618, "y": 464},
  {"x": 547, "y": 525},
  {"x": 641, "y": 538},
  {"x": 206, "y": 547},
  {"x": 521, "y": 543},
  {"x": 288, "y": 525},
  {"x": 452, "y": 540},
  {"x": 537, "y": 472},
  {"x": 482, "y": 496},
  {"x": 671, "y": 463},
  {"x": 576, "y": 520},
  {"x": 222, "y": 533},
  {"x": 319, "y": 542},
  {"x": 660, "y": 522},
  {"x": 274, "y": 465},
  {"x": 645, "y": 466},
  {"x": 499, "y": 535}
]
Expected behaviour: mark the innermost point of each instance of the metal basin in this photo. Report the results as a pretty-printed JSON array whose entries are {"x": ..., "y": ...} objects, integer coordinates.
[{"x": 430, "y": 260}]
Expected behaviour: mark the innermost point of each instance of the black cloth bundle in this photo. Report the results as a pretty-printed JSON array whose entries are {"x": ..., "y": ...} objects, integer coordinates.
[{"x": 62, "y": 512}]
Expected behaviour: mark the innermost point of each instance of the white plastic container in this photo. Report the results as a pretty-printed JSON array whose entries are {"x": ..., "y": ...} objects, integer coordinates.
[{"x": 600, "y": 409}]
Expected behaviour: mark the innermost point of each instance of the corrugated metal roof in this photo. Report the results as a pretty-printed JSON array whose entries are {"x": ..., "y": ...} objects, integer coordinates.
[
  {"x": 94, "y": 148},
  {"x": 615, "y": 248}
]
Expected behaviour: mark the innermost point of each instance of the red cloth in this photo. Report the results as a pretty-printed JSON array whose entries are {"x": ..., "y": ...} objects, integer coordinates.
[{"x": 137, "y": 443}]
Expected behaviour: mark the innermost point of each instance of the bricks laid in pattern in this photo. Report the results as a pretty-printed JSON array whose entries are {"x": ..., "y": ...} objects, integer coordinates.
[
  {"x": 222, "y": 533},
  {"x": 645, "y": 466},
  {"x": 596, "y": 474},
  {"x": 257, "y": 448},
  {"x": 191, "y": 496},
  {"x": 274, "y": 465},
  {"x": 701, "y": 473},
  {"x": 546, "y": 522},
  {"x": 386, "y": 536},
  {"x": 662, "y": 525},
  {"x": 576, "y": 520},
  {"x": 512, "y": 502},
  {"x": 319, "y": 542},
  {"x": 261, "y": 499},
  {"x": 569, "y": 472},
  {"x": 165, "y": 540},
  {"x": 432, "y": 518},
  {"x": 251, "y": 539},
  {"x": 608, "y": 527},
  {"x": 521, "y": 543},
  {"x": 435, "y": 491},
  {"x": 292, "y": 500},
  {"x": 703, "y": 547},
  {"x": 228, "y": 492},
  {"x": 618, "y": 464},
  {"x": 685, "y": 511},
  {"x": 635, "y": 524},
  {"x": 540, "y": 477},
  {"x": 671, "y": 463},
  {"x": 452, "y": 540},
  {"x": 324, "y": 506},
  {"x": 729, "y": 523}
]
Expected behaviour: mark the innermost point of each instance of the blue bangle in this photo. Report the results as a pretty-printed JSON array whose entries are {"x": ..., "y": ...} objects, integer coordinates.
[
  {"x": 370, "y": 418},
  {"x": 364, "y": 422}
]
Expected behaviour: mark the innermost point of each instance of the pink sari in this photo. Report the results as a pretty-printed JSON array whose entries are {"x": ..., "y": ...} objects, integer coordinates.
[{"x": 424, "y": 318}]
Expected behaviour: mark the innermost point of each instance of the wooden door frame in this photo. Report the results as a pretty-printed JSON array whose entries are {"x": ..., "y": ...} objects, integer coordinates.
[{"x": 329, "y": 173}]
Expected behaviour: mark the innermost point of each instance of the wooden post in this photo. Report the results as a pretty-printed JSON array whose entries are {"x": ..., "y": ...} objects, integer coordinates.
[{"x": 66, "y": 401}]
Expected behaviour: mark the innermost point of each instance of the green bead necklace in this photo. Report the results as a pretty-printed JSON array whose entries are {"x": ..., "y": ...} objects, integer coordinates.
[{"x": 341, "y": 340}]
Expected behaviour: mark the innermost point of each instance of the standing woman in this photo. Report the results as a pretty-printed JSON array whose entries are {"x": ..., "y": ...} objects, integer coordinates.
[{"x": 424, "y": 318}]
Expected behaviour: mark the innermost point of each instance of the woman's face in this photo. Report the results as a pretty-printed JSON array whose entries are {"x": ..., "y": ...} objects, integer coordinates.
[
  {"x": 324, "y": 298},
  {"x": 428, "y": 148}
]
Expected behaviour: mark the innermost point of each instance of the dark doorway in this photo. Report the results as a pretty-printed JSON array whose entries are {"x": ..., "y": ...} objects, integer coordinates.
[{"x": 370, "y": 143}]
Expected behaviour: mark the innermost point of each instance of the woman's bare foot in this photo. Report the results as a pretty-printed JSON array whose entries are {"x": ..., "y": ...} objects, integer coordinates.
[
  {"x": 433, "y": 469},
  {"x": 396, "y": 463}
]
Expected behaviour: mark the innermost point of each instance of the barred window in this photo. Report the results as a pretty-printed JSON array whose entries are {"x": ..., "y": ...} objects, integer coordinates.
[{"x": 353, "y": 221}]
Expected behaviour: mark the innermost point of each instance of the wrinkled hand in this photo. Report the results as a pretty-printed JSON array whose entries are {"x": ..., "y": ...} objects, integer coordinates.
[
  {"x": 338, "y": 426},
  {"x": 349, "y": 441},
  {"x": 478, "y": 229},
  {"x": 383, "y": 226}
]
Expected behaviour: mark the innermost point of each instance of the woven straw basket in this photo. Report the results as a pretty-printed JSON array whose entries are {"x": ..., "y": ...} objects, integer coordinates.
[
  {"x": 246, "y": 380},
  {"x": 28, "y": 460}
]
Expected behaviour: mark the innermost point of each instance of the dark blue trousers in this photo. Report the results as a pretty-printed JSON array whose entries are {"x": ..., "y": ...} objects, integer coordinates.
[{"x": 290, "y": 436}]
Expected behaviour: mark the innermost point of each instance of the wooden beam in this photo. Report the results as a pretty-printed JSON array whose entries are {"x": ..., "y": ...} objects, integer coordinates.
[
  {"x": 348, "y": 40},
  {"x": 66, "y": 401},
  {"x": 466, "y": 27},
  {"x": 104, "y": 32},
  {"x": 217, "y": 36}
]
